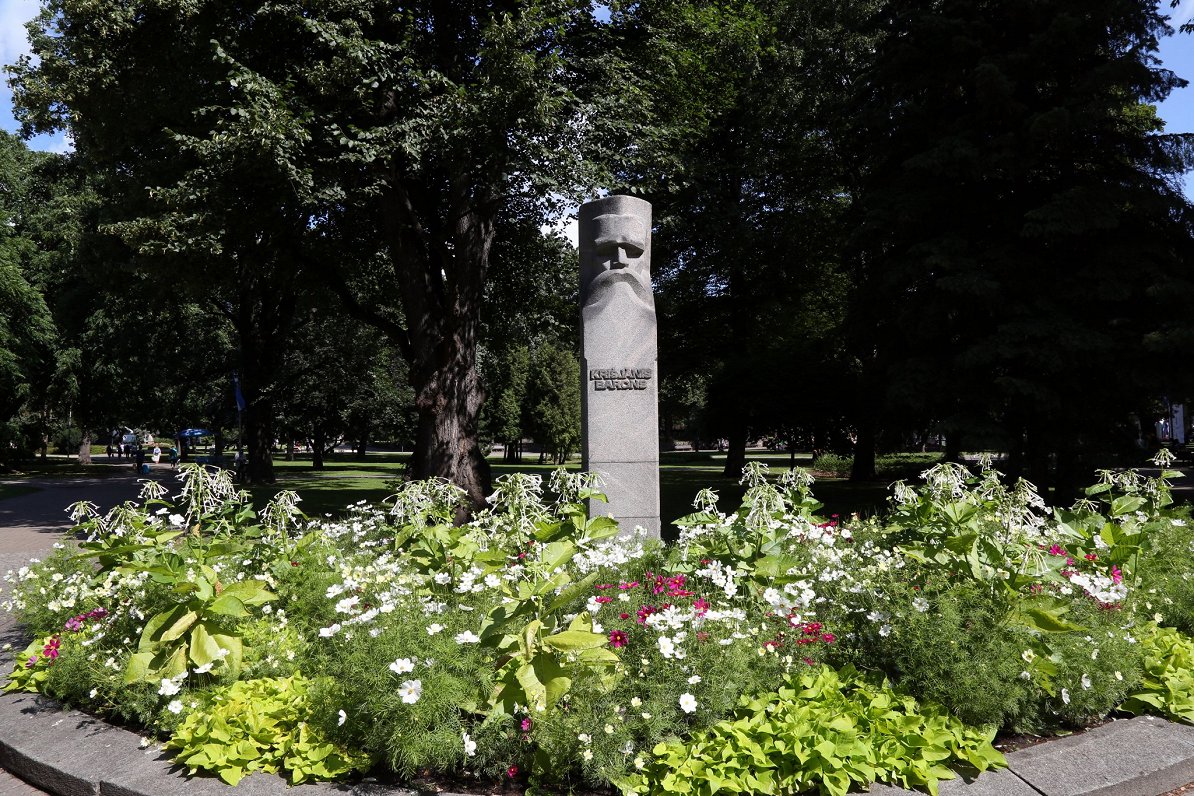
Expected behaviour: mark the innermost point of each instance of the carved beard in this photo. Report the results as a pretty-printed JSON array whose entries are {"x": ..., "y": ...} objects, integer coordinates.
[{"x": 605, "y": 287}]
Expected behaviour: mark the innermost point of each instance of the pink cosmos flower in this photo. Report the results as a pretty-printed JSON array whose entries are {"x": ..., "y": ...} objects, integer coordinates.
[{"x": 618, "y": 639}]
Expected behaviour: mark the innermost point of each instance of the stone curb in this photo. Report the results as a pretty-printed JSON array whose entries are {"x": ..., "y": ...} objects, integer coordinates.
[{"x": 68, "y": 753}]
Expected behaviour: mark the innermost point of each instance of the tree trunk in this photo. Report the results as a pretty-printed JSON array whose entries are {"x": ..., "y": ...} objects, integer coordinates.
[
  {"x": 446, "y": 443},
  {"x": 442, "y": 288},
  {"x": 863, "y": 466},
  {"x": 259, "y": 433},
  {"x": 953, "y": 447},
  {"x": 85, "y": 448},
  {"x": 318, "y": 440},
  {"x": 362, "y": 447},
  {"x": 736, "y": 452}
]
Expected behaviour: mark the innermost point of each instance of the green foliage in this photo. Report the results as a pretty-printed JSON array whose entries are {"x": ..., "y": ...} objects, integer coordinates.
[
  {"x": 534, "y": 640},
  {"x": 260, "y": 725},
  {"x": 32, "y": 667},
  {"x": 552, "y": 409},
  {"x": 826, "y": 730},
  {"x": 1167, "y": 687}
]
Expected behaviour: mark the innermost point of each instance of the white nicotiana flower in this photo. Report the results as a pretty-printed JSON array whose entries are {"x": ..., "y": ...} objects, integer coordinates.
[
  {"x": 688, "y": 703},
  {"x": 920, "y": 604},
  {"x": 176, "y": 520},
  {"x": 411, "y": 690}
]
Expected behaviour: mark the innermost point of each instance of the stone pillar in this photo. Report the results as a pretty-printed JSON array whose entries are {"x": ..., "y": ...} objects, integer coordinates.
[{"x": 620, "y": 393}]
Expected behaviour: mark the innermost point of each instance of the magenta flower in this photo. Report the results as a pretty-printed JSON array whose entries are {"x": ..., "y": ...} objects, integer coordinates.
[
  {"x": 526, "y": 724},
  {"x": 618, "y": 639}
]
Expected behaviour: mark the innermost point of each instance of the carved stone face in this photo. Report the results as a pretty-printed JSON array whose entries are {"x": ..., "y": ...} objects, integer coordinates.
[{"x": 616, "y": 250}]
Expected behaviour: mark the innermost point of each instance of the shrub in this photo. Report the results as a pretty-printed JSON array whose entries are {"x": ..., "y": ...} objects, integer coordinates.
[
  {"x": 534, "y": 645},
  {"x": 259, "y": 725},
  {"x": 825, "y": 730}
]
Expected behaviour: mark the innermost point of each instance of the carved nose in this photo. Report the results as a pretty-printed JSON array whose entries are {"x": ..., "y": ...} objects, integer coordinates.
[{"x": 621, "y": 258}]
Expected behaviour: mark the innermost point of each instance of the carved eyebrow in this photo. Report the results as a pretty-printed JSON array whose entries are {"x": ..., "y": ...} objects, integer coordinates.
[{"x": 616, "y": 230}]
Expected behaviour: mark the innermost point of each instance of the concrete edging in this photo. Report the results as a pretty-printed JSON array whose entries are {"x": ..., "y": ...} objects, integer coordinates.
[{"x": 69, "y": 753}]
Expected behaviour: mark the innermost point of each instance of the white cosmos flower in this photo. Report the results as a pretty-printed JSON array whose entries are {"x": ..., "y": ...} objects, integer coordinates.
[
  {"x": 467, "y": 637},
  {"x": 666, "y": 647},
  {"x": 411, "y": 690},
  {"x": 175, "y": 707},
  {"x": 343, "y": 718},
  {"x": 688, "y": 703},
  {"x": 1086, "y": 681},
  {"x": 470, "y": 746},
  {"x": 169, "y": 687},
  {"x": 434, "y": 628},
  {"x": 331, "y": 630},
  {"x": 402, "y": 666},
  {"x": 696, "y": 678},
  {"x": 1065, "y": 695}
]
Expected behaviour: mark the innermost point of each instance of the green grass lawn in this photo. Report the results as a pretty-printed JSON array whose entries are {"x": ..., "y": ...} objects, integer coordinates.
[{"x": 345, "y": 480}]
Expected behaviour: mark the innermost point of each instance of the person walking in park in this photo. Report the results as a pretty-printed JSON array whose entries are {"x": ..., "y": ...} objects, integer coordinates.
[
  {"x": 174, "y": 457},
  {"x": 140, "y": 459},
  {"x": 157, "y": 453}
]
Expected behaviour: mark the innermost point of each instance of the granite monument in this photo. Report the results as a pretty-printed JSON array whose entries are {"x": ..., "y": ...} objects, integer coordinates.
[{"x": 620, "y": 390}]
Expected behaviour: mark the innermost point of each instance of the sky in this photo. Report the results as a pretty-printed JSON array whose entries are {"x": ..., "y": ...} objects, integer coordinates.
[{"x": 1177, "y": 53}]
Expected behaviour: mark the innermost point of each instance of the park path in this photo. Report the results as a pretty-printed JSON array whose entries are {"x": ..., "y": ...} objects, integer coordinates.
[{"x": 31, "y": 524}]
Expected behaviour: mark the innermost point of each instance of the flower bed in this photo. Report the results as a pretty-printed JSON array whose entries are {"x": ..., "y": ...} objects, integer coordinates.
[{"x": 770, "y": 650}]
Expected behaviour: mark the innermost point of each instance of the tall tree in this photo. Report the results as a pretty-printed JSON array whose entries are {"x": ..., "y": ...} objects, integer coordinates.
[
  {"x": 750, "y": 209},
  {"x": 371, "y": 144},
  {"x": 1018, "y": 218}
]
